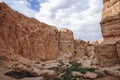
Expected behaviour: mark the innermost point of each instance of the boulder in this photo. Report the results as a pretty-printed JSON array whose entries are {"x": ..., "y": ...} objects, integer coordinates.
[
  {"x": 75, "y": 73},
  {"x": 86, "y": 63},
  {"x": 90, "y": 75}
]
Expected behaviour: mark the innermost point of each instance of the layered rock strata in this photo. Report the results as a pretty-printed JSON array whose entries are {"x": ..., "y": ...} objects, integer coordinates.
[
  {"x": 110, "y": 23},
  {"x": 66, "y": 43},
  {"x": 108, "y": 51}
]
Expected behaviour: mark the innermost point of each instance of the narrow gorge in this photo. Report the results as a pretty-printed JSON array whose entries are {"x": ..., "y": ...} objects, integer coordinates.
[{"x": 28, "y": 45}]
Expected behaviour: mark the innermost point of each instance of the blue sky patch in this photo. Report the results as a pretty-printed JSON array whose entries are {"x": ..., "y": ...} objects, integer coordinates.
[{"x": 35, "y": 4}]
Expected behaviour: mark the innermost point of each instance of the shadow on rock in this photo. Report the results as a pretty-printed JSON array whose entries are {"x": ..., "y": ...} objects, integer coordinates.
[{"x": 17, "y": 74}]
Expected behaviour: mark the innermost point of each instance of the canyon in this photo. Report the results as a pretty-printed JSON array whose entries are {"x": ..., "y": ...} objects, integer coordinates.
[
  {"x": 35, "y": 40},
  {"x": 28, "y": 45}
]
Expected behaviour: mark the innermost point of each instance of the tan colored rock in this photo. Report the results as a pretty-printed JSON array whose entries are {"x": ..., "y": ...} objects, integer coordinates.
[
  {"x": 109, "y": 78},
  {"x": 66, "y": 43},
  {"x": 75, "y": 73},
  {"x": 110, "y": 23},
  {"x": 50, "y": 64},
  {"x": 33, "y": 78},
  {"x": 107, "y": 55},
  {"x": 20, "y": 67},
  {"x": 80, "y": 48},
  {"x": 34, "y": 72},
  {"x": 49, "y": 72},
  {"x": 111, "y": 7},
  {"x": 118, "y": 49},
  {"x": 86, "y": 63},
  {"x": 90, "y": 75},
  {"x": 90, "y": 51},
  {"x": 26, "y": 36}
]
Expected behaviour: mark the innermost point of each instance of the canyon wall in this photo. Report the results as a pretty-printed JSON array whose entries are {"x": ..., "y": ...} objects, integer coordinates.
[
  {"x": 26, "y": 36},
  {"x": 110, "y": 23},
  {"x": 108, "y": 51},
  {"x": 66, "y": 44},
  {"x": 36, "y": 40}
]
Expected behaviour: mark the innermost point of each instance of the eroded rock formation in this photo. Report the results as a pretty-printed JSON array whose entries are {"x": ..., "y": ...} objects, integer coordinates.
[
  {"x": 66, "y": 43},
  {"x": 80, "y": 48},
  {"x": 26, "y": 36},
  {"x": 32, "y": 39},
  {"x": 108, "y": 51},
  {"x": 110, "y": 23},
  {"x": 107, "y": 54}
]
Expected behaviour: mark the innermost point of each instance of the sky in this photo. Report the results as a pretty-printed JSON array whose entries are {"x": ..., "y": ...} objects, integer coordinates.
[{"x": 81, "y": 16}]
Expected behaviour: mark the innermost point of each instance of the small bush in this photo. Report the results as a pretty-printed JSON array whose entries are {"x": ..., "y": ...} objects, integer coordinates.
[
  {"x": 106, "y": 72},
  {"x": 91, "y": 69},
  {"x": 79, "y": 69},
  {"x": 67, "y": 76},
  {"x": 100, "y": 75}
]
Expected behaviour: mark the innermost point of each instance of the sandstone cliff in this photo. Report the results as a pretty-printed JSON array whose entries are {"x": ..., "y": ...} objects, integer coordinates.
[
  {"x": 26, "y": 36},
  {"x": 108, "y": 51},
  {"x": 110, "y": 23},
  {"x": 66, "y": 44}
]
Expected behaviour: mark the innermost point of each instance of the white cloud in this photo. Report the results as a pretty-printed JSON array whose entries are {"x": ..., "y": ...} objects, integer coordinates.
[
  {"x": 81, "y": 16},
  {"x": 21, "y": 6}
]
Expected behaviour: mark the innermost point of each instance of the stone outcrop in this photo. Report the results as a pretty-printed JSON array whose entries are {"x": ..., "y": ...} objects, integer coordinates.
[
  {"x": 80, "y": 48},
  {"x": 110, "y": 23},
  {"x": 26, "y": 36},
  {"x": 118, "y": 49},
  {"x": 66, "y": 43},
  {"x": 36, "y": 40},
  {"x": 108, "y": 50},
  {"x": 107, "y": 54}
]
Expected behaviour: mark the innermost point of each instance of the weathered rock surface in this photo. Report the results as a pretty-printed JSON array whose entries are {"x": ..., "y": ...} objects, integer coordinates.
[
  {"x": 90, "y": 75},
  {"x": 108, "y": 51},
  {"x": 80, "y": 48},
  {"x": 66, "y": 43},
  {"x": 107, "y": 54},
  {"x": 110, "y": 23},
  {"x": 26, "y": 36},
  {"x": 118, "y": 49}
]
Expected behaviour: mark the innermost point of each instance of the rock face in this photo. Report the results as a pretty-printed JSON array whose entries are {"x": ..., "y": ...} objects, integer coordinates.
[
  {"x": 118, "y": 49},
  {"x": 108, "y": 50},
  {"x": 107, "y": 54},
  {"x": 110, "y": 23},
  {"x": 35, "y": 40},
  {"x": 80, "y": 48},
  {"x": 66, "y": 43},
  {"x": 26, "y": 36}
]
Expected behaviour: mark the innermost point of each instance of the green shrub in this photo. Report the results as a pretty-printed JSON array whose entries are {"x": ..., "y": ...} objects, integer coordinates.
[
  {"x": 91, "y": 69},
  {"x": 106, "y": 72},
  {"x": 79, "y": 69},
  {"x": 100, "y": 75},
  {"x": 67, "y": 76}
]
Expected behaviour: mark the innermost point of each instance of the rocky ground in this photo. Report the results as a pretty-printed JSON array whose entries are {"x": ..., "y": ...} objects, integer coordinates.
[{"x": 20, "y": 68}]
